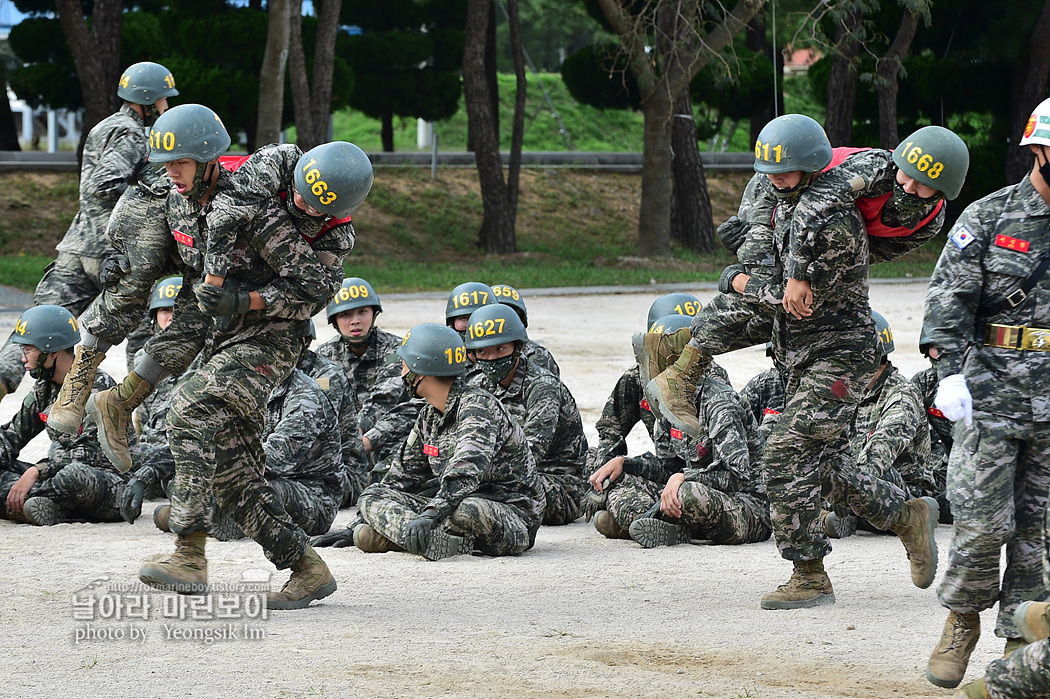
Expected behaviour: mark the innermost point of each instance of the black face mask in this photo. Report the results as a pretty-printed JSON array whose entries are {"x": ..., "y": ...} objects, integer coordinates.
[
  {"x": 1044, "y": 168},
  {"x": 41, "y": 372},
  {"x": 912, "y": 202},
  {"x": 498, "y": 369},
  {"x": 411, "y": 381}
]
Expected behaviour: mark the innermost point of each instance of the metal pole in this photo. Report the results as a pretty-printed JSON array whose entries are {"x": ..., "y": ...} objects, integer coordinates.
[{"x": 434, "y": 157}]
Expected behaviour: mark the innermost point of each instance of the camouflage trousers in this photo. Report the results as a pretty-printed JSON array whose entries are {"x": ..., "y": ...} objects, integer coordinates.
[
  {"x": 729, "y": 322},
  {"x": 630, "y": 497},
  {"x": 215, "y": 427},
  {"x": 724, "y": 518},
  {"x": 82, "y": 492},
  {"x": 354, "y": 481},
  {"x": 497, "y": 528},
  {"x": 1024, "y": 674},
  {"x": 307, "y": 504},
  {"x": 808, "y": 456},
  {"x": 71, "y": 281},
  {"x": 563, "y": 497},
  {"x": 998, "y": 479}
]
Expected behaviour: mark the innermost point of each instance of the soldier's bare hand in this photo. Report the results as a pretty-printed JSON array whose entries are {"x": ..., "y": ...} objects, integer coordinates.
[
  {"x": 16, "y": 497},
  {"x": 670, "y": 504},
  {"x": 798, "y": 298},
  {"x": 612, "y": 470}
]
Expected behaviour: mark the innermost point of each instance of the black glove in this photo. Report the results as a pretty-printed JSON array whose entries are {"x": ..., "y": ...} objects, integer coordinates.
[
  {"x": 218, "y": 301},
  {"x": 732, "y": 233},
  {"x": 113, "y": 268},
  {"x": 725, "y": 282},
  {"x": 336, "y": 539},
  {"x": 131, "y": 500},
  {"x": 594, "y": 502},
  {"x": 417, "y": 532}
]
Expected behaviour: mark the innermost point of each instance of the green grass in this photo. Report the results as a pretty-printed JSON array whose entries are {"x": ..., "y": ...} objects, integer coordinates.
[{"x": 23, "y": 271}]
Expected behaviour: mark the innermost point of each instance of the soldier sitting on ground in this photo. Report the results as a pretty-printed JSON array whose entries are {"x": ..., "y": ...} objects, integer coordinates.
[
  {"x": 76, "y": 481},
  {"x": 538, "y": 401}
]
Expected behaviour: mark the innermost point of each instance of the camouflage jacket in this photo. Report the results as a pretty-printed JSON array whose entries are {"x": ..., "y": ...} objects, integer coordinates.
[
  {"x": 756, "y": 253},
  {"x": 302, "y": 435},
  {"x": 386, "y": 410},
  {"x": 765, "y": 397},
  {"x": 995, "y": 245},
  {"x": 547, "y": 412},
  {"x": 941, "y": 439},
  {"x": 890, "y": 432},
  {"x": 332, "y": 380},
  {"x": 270, "y": 258},
  {"x": 115, "y": 154},
  {"x": 540, "y": 356},
  {"x": 476, "y": 449},
  {"x": 625, "y": 408},
  {"x": 30, "y": 420}
]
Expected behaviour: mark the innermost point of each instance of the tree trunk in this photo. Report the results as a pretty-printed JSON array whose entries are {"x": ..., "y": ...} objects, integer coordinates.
[
  {"x": 96, "y": 54},
  {"x": 1029, "y": 90},
  {"x": 888, "y": 71},
  {"x": 491, "y": 74},
  {"x": 271, "y": 75},
  {"x": 8, "y": 130},
  {"x": 497, "y": 225},
  {"x": 386, "y": 131},
  {"x": 517, "y": 131},
  {"x": 691, "y": 225},
  {"x": 756, "y": 41},
  {"x": 312, "y": 99},
  {"x": 842, "y": 83},
  {"x": 654, "y": 221}
]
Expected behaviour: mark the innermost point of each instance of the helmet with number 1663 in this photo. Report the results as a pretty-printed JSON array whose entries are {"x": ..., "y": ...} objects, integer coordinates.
[
  {"x": 430, "y": 349},
  {"x": 334, "y": 178}
]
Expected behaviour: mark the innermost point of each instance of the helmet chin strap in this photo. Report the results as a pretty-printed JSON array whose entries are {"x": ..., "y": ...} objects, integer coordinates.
[
  {"x": 199, "y": 178},
  {"x": 42, "y": 372}
]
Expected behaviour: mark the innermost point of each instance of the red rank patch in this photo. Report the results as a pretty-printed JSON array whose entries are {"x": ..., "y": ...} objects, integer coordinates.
[
  {"x": 263, "y": 369},
  {"x": 645, "y": 405},
  {"x": 1005, "y": 241},
  {"x": 839, "y": 389},
  {"x": 43, "y": 417},
  {"x": 770, "y": 411},
  {"x": 430, "y": 450},
  {"x": 933, "y": 411},
  {"x": 676, "y": 434},
  {"x": 181, "y": 237},
  {"x": 701, "y": 450}
]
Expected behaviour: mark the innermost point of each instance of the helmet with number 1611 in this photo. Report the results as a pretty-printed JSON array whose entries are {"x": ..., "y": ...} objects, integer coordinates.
[
  {"x": 430, "y": 349},
  {"x": 792, "y": 142}
]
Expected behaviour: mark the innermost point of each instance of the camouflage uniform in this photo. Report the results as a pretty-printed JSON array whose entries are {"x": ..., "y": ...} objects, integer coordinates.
[
  {"x": 216, "y": 418},
  {"x": 547, "y": 412},
  {"x": 489, "y": 491},
  {"x": 941, "y": 428},
  {"x": 386, "y": 410},
  {"x": 115, "y": 156},
  {"x": 540, "y": 356},
  {"x": 830, "y": 357},
  {"x": 764, "y": 397},
  {"x": 303, "y": 455},
  {"x": 891, "y": 439},
  {"x": 625, "y": 408},
  {"x": 999, "y": 475},
  {"x": 332, "y": 379},
  {"x": 77, "y": 475},
  {"x": 1024, "y": 674}
]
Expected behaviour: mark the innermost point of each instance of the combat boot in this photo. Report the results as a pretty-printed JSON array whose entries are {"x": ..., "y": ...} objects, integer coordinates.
[
  {"x": 951, "y": 656},
  {"x": 43, "y": 512},
  {"x": 651, "y": 532},
  {"x": 607, "y": 525},
  {"x": 111, "y": 410},
  {"x": 1033, "y": 619},
  {"x": 916, "y": 526},
  {"x": 671, "y": 393},
  {"x": 809, "y": 586},
  {"x": 371, "y": 541},
  {"x": 838, "y": 526},
  {"x": 185, "y": 571},
  {"x": 654, "y": 352},
  {"x": 310, "y": 580},
  {"x": 68, "y": 411},
  {"x": 973, "y": 690},
  {"x": 161, "y": 517},
  {"x": 441, "y": 544}
]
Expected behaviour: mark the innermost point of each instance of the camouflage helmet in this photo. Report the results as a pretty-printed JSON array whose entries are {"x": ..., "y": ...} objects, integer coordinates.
[
  {"x": 430, "y": 349},
  {"x": 145, "y": 83},
  {"x": 494, "y": 324},
  {"x": 885, "y": 335},
  {"x": 679, "y": 303},
  {"x": 936, "y": 157},
  {"x": 334, "y": 178},
  {"x": 670, "y": 323},
  {"x": 164, "y": 294},
  {"x": 467, "y": 298},
  {"x": 792, "y": 142},
  {"x": 188, "y": 131},
  {"x": 508, "y": 295},
  {"x": 354, "y": 293},
  {"x": 48, "y": 328},
  {"x": 1037, "y": 130}
]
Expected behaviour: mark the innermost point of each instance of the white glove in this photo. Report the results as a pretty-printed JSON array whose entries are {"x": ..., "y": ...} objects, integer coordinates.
[{"x": 954, "y": 400}]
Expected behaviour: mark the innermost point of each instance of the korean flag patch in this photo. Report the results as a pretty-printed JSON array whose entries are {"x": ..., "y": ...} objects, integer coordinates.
[{"x": 961, "y": 236}]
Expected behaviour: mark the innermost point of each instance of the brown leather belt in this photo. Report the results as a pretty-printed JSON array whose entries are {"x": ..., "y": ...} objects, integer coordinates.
[{"x": 1017, "y": 337}]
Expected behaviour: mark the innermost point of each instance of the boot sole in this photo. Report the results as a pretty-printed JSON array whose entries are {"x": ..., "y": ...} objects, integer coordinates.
[
  {"x": 840, "y": 527},
  {"x": 946, "y": 684},
  {"x": 641, "y": 356},
  {"x": 103, "y": 439},
  {"x": 43, "y": 512},
  {"x": 155, "y": 578},
  {"x": 57, "y": 425},
  {"x": 320, "y": 593},
  {"x": 1026, "y": 631},
  {"x": 818, "y": 601},
  {"x": 445, "y": 545},
  {"x": 655, "y": 397},
  {"x": 651, "y": 532},
  {"x": 931, "y": 529}
]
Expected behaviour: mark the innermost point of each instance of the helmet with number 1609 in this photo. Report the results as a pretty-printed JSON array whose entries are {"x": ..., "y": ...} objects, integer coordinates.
[{"x": 355, "y": 292}]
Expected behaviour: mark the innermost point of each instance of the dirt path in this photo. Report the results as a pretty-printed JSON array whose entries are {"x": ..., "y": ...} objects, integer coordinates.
[{"x": 578, "y": 616}]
